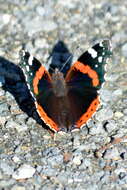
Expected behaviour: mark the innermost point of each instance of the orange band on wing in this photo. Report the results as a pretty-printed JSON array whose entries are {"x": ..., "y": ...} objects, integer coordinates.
[
  {"x": 86, "y": 70},
  {"x": 87, "y": 115},
  {"x": 46, "y": 119},
  {"x": 41, "y": 71}
]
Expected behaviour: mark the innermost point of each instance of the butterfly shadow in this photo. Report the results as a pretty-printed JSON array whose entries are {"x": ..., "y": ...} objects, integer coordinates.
[{"x": 13, "y": 79}]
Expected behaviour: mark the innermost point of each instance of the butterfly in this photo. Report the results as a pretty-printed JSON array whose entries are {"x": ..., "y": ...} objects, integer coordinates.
[{"x": 66, "y": 102}]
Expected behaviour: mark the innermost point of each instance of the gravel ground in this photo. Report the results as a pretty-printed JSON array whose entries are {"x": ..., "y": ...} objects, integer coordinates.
[{"x": 30, "y": 159}]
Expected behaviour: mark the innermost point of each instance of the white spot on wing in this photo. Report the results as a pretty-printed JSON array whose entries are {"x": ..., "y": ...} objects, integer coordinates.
[
  {"x": 23, "y": 52},
  {"x": 100, "y": 59},
  {"x": 27, "y": 68},
  {"x": 30, "y": 61},
  {"x": 92, "y": 52},
  {"x": 101, "y": 44}
]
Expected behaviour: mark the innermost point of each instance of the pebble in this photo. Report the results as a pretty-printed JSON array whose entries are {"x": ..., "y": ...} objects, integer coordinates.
[
  {"x": 3, "y": 109},
  {"x": 6, "y": 168},
  {"x": 48, "y": 171},
  {"x": 111, "y": 126},
  {"x": 124, "y": 50},
  {"x": 6, "y": 18},
  {"x": 21, "y": 118},
  {"x": 40, "y": 10},
  {"x": 104, "y": 114},
  {"x": 76, "y": 142},
  {"x": 97, "y": 129},
  {"x": 30, "y": 121},
  {"x": 6, "y": 183},
  {"x": 112, "y": 154},
  {"x": 16, "y": 159},
  {"x": 120, "y": 170},
  {"x": 39, "y": 25},
  {"x": 77, "y": 160},
  {"x": 105, "y": 95},
  {"x": 19, "y": 128},
  {"x": 63, "y": 177},
  {"x": 125, "y": 111},
  {"x": 18, "y": 187},
  {"x": 23, "y": 172},
  {"x": 118, "y": 114},
  {"x": 117, "y": 93}
]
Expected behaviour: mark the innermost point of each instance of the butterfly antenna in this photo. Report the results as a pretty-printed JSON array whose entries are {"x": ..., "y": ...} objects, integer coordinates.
[
  {"x": 68, "y": 59},
  {"x": 76, "y": 50}
]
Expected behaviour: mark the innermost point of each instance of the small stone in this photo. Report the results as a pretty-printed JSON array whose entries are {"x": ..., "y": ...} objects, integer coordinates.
[
  {"x": 49, "y": 26},
  {"x": 41, "y": 43},
  {"x": 105, "y": 95},
  {"x": 117, "y": 93},
  {"x": 6, "y": 183},
  {"x": 63, "y": 177},
  {"x": 111, "y": 126},
  {"x": 2, "y": 120},
  {"x": 16, "y": 159},
  {"x": 17, "y": 187},
  {"x": 77, "y": 160},
  {"x": 67, "y": 156},
  {"x": 48, "y": 171},
  {"x": 3, "y": 109},
  {"x": 6, "y": 18},
  {"x": 39, "y": 168},
  {"x": 124, "y": 50},
  {"x": 120, "y": 170},
  {"x": 76, "y": 142},
  {"x": 13, "y": 124},
  {"x": 21, "y": 118},
  {"x": 6, "y": 168},
  {"x": 125, "y": 111},
  {"x": 97, "y": 129},
  {"x": 23, "y": 172},
  {"x": 40, "y": 10},
  {"x": 39, "y": 25},
  {"x": 104, "y": 114},
  {"x": 112, "y": 154},
  {"x": 30, "y": 121},
  {"x": 118, "y": 114}
]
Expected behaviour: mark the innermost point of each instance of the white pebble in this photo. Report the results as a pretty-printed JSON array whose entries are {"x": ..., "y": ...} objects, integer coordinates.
[
  {"x": 23, "y": 172},
  {"x": 77, "y": 160}
]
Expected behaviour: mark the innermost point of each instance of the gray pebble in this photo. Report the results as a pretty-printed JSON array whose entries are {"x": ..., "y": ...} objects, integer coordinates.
[
  {"x": 124, "y": 50},
  {"x": 112, "y": 153},
  {"x": 111, "y": 126},
  {"x": 6, "y": 183},
  {"x": 104, "y": 114},
  {"x": 4, "y": 109},
  {"x": 6, "y": 168}
]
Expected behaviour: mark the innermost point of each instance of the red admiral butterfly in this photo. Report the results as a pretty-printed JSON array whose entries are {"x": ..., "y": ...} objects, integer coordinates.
[{"x": 67, "y": 103}]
